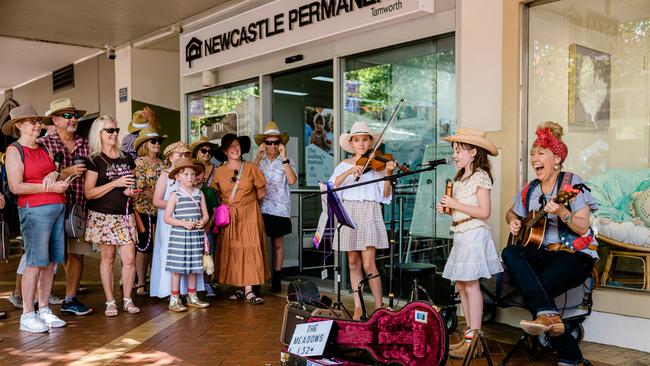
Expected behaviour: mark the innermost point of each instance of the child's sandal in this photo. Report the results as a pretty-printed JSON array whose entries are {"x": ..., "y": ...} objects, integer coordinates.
[
  {"x": 253, "y": 299},
  {"x": 130, "y": 307},
  {"x": 141, "y": 290},
  {"x": 111, "y": 309}
]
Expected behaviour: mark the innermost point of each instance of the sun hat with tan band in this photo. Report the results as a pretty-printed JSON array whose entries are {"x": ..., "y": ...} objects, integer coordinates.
[
  {"x": 271, "y": 130},
  {"x": 19, "y": 114},
  {"x": 185, "y": 163},
  {"x": 358, "y": 128},
  {"x": 474, "y": 137}
]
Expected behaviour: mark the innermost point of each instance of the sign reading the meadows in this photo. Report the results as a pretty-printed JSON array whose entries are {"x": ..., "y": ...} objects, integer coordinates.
[{"x": 287, "y": 23}]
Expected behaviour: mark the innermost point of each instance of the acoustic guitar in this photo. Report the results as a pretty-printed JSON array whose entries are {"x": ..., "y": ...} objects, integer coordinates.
[{"x": 533, "y": 226}]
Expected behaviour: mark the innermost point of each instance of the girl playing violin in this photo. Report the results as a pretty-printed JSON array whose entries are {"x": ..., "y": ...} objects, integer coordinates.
[{"x": 363, "y": 205}]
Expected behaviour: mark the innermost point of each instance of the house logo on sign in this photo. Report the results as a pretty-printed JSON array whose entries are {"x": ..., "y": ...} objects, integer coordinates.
[{"x": 193, "y": 50}]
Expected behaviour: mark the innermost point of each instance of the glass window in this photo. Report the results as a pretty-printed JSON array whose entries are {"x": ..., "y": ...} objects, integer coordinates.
[
  {"x": 231, "y": 109},
  {"x": 423, "y": 74}
]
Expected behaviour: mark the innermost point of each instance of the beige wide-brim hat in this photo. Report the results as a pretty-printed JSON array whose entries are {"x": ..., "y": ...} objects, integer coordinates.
[
  {"x": 179, "y": 147},
  {"x": 145, "y": 135},
  {"x": 474, "y": 137},
  {"x": 201, "y": 142},
  {"x": 185, "y": 163},
  {"x": 358, "y": 128},
  {"x": 271, "y": 130},
  {"x": 138, "y": 122},
  {"x": 19, "y": 114},
  {"x": 61, "y": 105}
]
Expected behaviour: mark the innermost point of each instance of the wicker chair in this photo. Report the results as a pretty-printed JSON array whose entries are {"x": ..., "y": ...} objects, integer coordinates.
[{"x": 618, "y": 250}]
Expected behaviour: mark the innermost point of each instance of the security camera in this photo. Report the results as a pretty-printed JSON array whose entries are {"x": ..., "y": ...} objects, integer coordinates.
[{"x": 110, "y": 52}]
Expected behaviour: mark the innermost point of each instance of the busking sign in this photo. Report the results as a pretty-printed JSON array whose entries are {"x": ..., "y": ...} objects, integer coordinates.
[{"x": 288, "y": 23}]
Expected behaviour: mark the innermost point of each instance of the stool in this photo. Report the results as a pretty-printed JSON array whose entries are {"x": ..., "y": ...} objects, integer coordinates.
[
  {"x": 608, "y": 272},
  {"x": 413, "y": 271}
]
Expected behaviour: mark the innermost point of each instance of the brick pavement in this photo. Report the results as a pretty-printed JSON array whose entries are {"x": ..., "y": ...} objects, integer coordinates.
[{"x": 227, "y": 333}]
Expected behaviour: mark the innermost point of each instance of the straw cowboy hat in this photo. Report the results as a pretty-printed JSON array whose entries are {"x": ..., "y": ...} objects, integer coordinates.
[
  {"x": 19, "y": 114},
  {"x": 474, "y": 137},
  {"x": 185, "y": 163},
  {"x": 179, "y": 147},
  {"x": 146, "y": 134},
  {"x": 358, "y": 128},
  {"x": 201, "y": 142},
  {"x": 271, "y": 130},
  {"x": 138, "y": 121},
  {"x": 62, "y": 105}
]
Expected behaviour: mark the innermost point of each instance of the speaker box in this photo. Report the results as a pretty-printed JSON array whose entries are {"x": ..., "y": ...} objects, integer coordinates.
[{"x": 297, "y": 313}]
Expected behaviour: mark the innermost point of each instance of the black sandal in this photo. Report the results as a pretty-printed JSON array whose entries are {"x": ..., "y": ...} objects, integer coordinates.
[
  {"x": 237, "y": 295},
  {"x": 253, "y": 299}
]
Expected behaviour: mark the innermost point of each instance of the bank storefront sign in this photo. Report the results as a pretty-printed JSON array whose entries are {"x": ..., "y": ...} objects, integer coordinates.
[{"x": 287, "y": 23}]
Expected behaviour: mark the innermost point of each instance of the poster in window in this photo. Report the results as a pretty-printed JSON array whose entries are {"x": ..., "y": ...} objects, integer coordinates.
[
  {"x": 319, "y": 149},
  {"x": 589, "y": 89}
]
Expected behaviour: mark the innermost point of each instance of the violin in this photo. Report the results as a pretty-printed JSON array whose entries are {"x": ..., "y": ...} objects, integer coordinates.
[{"x": 378, "y": 162}]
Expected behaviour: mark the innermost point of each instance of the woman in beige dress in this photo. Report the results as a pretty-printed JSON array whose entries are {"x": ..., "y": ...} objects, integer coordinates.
[{"x": 243, "y": 259}]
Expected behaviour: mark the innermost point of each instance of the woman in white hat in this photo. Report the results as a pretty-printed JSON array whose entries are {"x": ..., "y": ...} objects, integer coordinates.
[
  {"x": 364, "y": 205},
  {"x": 280, "y": 172}
]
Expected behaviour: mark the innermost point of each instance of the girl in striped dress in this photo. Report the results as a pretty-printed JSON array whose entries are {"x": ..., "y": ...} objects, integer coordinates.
[{"x": 187, "y": 213}]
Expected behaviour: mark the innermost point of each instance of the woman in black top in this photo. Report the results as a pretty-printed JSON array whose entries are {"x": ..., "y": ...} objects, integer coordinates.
[{"x": 109, "y": 186}]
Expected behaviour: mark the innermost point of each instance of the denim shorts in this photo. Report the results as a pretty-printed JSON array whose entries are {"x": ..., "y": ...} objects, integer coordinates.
[{"x": 43, "y": 234}]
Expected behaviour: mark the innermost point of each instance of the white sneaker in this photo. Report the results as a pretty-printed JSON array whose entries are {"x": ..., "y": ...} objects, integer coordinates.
[
  {"x": 50, "y": 319},
  {"x": 32, "y": 323},
  {"x": 55, "y": 300}
]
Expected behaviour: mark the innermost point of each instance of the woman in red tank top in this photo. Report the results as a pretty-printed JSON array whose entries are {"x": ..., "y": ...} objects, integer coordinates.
[{"x": 32, "y": 176}]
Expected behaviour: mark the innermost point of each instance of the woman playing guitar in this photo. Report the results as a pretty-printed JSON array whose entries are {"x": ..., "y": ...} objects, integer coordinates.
[{"x": 567, "y": 253}]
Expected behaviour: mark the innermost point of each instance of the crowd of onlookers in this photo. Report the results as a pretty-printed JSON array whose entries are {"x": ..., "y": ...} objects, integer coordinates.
[{"x": 165, "y": 212}]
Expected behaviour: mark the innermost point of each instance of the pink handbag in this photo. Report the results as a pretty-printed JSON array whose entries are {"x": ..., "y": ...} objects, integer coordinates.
[{"x": 222, "y": 212}]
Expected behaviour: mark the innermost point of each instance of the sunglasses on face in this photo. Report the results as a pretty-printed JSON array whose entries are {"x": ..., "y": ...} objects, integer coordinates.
[
  {"x": 205, "y": 151},
  {"x": 155, "y": 141},
  {"x": 70, "y": 115},
  {"x": 234, "y": 176},
  {"x": 274, "y": 142},
  {"x": 111, "y": 131}
]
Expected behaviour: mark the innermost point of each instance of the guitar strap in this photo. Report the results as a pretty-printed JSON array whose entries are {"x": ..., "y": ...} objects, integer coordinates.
[{"x": 564, "y": 179}]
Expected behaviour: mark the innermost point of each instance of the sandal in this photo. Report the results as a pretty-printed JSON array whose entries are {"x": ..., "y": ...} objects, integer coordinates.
[
  {"x": 111, "y": 309},
  {"x": 237, "y": 295},
  {"x": 253, "y": 299},
  {"x": 141, "y": 290},
  {"x": 129, "y": 306}
]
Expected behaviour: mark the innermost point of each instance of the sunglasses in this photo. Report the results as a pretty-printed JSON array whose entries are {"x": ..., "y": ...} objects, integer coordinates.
[
  {"x": 274, "y": 142},
  {"x": 111, "y": 131},
  {"x": 155, "y": 141},
  {"x": 205, "y": 151},
  {"x": 70, "y": 115},
  {"x": 234, "y": 176}
]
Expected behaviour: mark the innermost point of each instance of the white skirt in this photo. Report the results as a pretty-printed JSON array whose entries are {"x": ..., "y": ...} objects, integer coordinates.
[{"x": 472, "y": 256}]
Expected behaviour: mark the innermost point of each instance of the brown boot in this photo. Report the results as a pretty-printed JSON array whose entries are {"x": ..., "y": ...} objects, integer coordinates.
[
  {"x": 461, "y": 352},
  {"x": 545, "y": 323},
  {"x": 462, "y": 340}
]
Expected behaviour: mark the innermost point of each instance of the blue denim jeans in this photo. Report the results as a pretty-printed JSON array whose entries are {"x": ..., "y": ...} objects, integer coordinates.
[
  {"x": 43, "y": 234},
  {"x": 543, "y": 275}
]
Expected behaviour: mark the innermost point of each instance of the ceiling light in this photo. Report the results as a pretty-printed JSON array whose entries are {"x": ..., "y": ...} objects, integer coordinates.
[
  {"x": 323, "y": 78},
  {"x": 289, "y": 92}
]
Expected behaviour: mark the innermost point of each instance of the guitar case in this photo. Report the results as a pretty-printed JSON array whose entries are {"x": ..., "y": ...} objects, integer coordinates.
[
  {"x": 303, "y": 292},
  {"x": 412, "y": 336},
  {"x": 297, "y": 313}
]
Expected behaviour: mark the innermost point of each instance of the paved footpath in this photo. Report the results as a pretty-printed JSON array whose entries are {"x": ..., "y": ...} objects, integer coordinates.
[{"x": 227, "y": 333}]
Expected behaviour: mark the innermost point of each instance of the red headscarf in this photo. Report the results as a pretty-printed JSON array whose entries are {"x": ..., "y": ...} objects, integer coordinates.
[{"x": 547, "y": 140}]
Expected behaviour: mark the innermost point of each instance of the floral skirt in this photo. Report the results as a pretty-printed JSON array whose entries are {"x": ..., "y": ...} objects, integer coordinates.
[{"x": 111, "y": 229}]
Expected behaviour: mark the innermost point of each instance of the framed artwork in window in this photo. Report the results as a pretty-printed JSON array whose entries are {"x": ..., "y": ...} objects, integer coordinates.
[{"x": 589, "y": 89}]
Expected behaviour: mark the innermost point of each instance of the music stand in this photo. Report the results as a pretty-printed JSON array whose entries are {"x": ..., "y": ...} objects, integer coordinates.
[{"x": 336, "y": 207}]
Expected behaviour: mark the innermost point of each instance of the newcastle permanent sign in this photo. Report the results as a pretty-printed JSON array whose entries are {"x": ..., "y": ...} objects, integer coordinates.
[{"x": 287, "y": 23}]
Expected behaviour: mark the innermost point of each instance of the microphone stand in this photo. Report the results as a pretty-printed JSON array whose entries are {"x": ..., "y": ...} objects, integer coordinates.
[{"x": 393, "y": 182}]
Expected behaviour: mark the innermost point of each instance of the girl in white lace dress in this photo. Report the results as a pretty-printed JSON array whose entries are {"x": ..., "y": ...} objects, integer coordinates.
[{"x": 473, "y": 255}]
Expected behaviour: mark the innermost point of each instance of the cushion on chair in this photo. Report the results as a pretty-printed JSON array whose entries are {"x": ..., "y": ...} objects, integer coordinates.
[{"x": 640, "y": 206}]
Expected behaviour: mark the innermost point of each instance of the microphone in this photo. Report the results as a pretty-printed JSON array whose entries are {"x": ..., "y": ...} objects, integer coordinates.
[
  {"x": 437, "y": 162},
  {"x": 58, "y": 159}
]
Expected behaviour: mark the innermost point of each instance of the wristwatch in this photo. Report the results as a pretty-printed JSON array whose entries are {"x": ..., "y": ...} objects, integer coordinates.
[
  {"x": 285, "y": 161},
  {"x": 567, "y": 219}
]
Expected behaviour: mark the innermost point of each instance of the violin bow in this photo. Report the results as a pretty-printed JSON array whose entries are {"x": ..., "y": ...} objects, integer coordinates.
[{"x": 381, "y": 137}]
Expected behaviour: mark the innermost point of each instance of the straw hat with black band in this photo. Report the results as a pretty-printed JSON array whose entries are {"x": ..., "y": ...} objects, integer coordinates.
[
  {"x": 202, "y": 141},
  {"x": 358, "y": 128},
  {"x": 185, "y": 163},
  {"x": 146, "y": 134},
  {"x": 61, "y": 105},
  {"x": 19, "y": 114},
  {"x": 474, "y": 137},
  {"x": 271, "y": 130}
]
